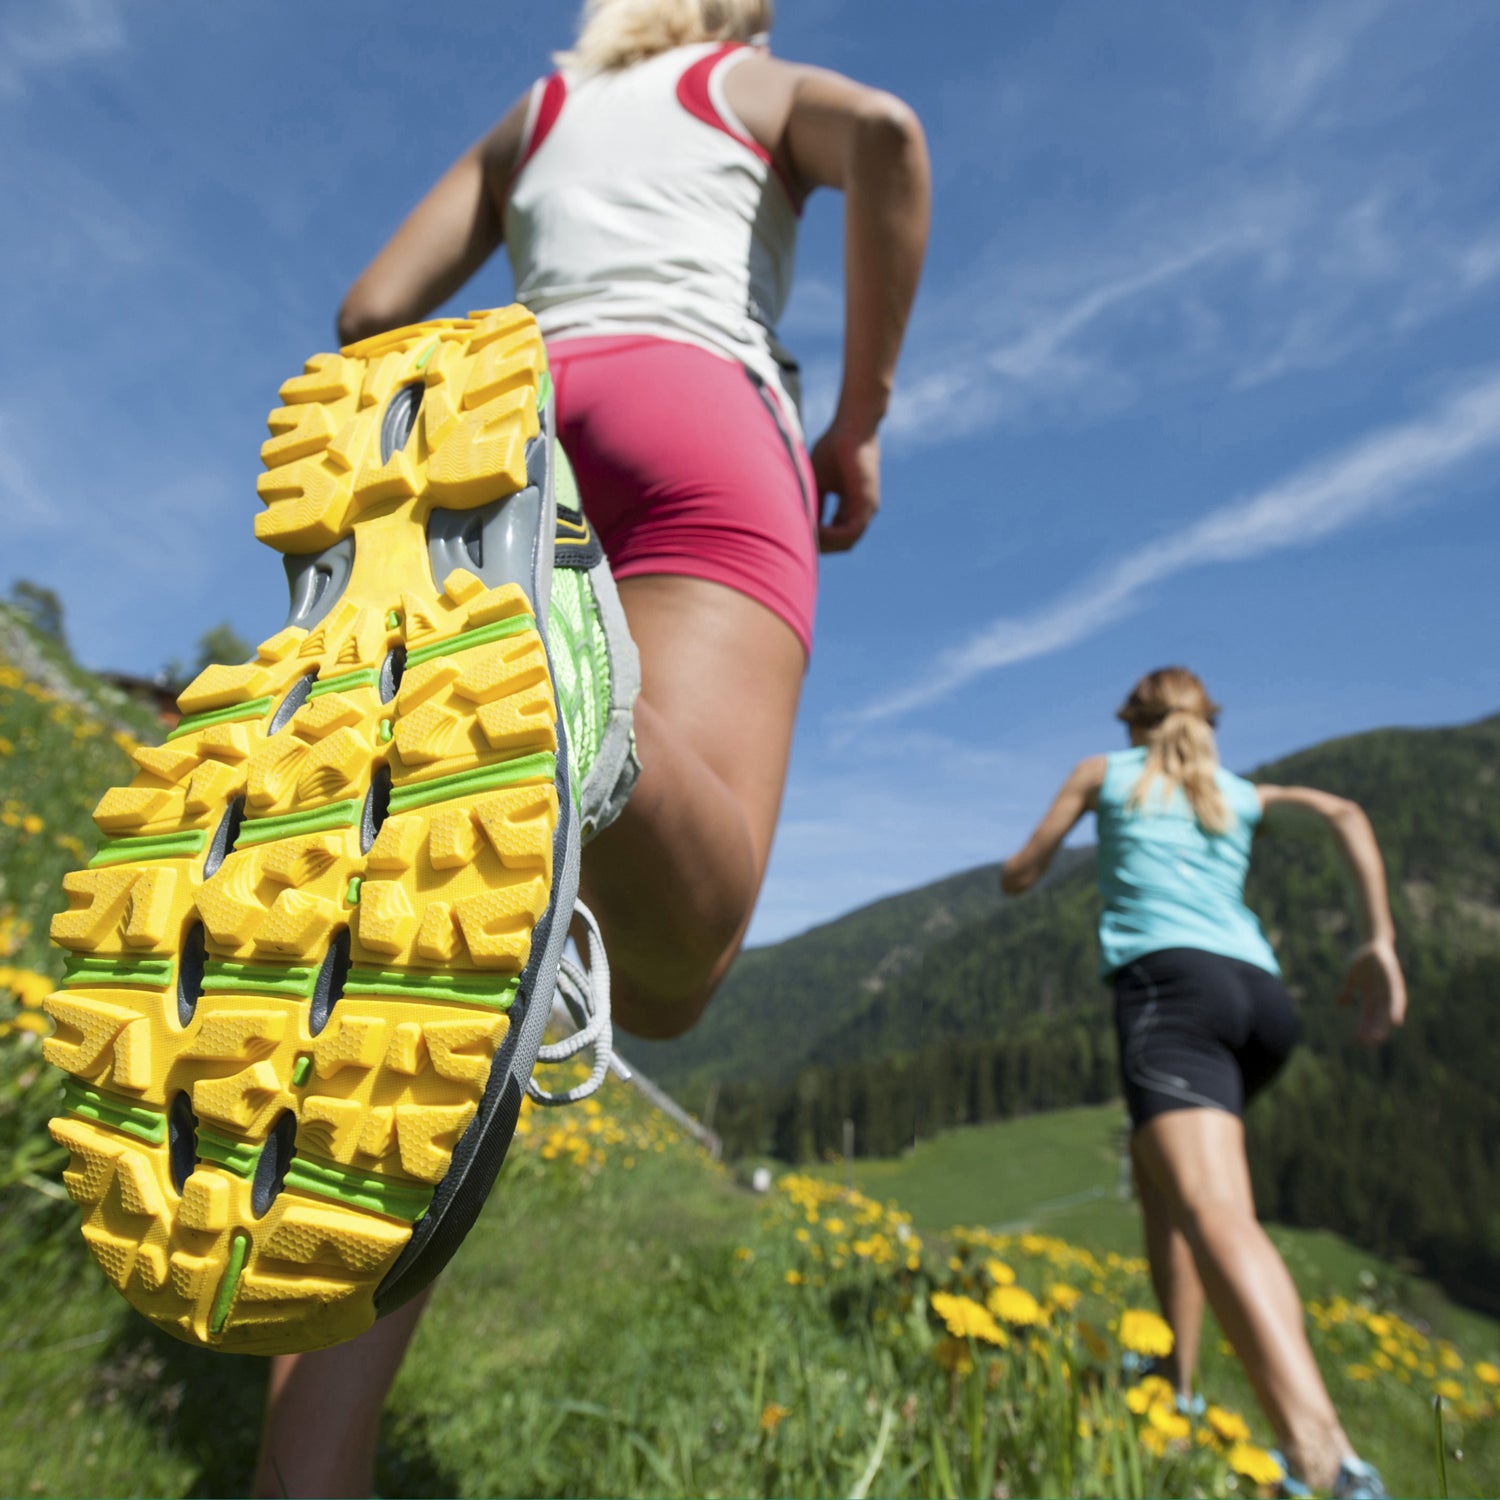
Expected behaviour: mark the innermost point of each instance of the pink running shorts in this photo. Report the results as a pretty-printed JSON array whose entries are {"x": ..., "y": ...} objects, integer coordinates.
[{"x": 686, "y": 465}]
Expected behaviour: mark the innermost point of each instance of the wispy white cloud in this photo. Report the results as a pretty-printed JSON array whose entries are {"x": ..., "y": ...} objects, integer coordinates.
[
  {"x": 1239, "y": 291},
  {"x": 1299, "y": 56},
  {"x": 972, "y": 388},
  {"x": 1385, "y": 469},
  {"x": 45, "y": 34}
]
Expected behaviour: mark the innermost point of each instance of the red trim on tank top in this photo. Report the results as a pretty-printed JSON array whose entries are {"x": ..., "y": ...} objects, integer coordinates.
[
  {"x": 695, "y": 96},
  {"x": 554, "y": 92}
]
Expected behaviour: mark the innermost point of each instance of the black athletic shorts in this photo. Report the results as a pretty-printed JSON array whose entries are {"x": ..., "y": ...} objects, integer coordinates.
[{"x": 1198, "y": 1031}]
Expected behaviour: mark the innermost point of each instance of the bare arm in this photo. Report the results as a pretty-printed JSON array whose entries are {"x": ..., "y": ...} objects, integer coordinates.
[
  {"x": 1374, "y": 975},
  {"x": 827, "y": 131},
  {"x": 442, "y": 242},
  {"x": 1079, "y": 795}
]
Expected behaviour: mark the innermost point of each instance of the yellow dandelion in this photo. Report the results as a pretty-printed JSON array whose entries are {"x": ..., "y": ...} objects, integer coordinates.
[
  {"x": 793, "y": 1278},
  {"x": 1255, "y": 1464},
  {"x": 1229, "y": 1426},
  {"x": 1486, "y": 1373},
  {"x": 1000, "y": 1273},
  {"x": 1154, "y": 1440},
  {"x": 1145, "y": 1332},
  {"x": 1170, "y": 1423},
  {"x": 1449, "y": 1357},
  {"x": 1151, "y": 1392},
  {"x": 1449, "y": 1390},
  {"x": 1063, "y": 1296},
  {"x": 1359, "y": 1372},
  {"x": 31, "y": 824},
  {"x": 967, "y": 1319},
  {"x": 772, "y": 1415},
  {"x": 1015, "y": 1305},
  {"x": 29, "y": 988},
  {"x": 744, "y": 1252}
]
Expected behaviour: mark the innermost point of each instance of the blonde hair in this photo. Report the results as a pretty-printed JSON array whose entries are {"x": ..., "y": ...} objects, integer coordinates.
[
  {"x": 614, "y": 34},
  {"x": 1175, "y": 716}
]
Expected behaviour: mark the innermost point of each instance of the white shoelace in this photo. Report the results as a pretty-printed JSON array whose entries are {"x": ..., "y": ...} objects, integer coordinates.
[{"x": 585, "y": 994}]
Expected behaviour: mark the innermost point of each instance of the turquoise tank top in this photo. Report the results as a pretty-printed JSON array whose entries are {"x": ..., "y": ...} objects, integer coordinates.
[{"x": 1167, "y": 883}]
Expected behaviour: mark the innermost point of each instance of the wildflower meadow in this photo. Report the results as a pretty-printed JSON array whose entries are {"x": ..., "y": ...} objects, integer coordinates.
[{"x": 630, "y": 1318}]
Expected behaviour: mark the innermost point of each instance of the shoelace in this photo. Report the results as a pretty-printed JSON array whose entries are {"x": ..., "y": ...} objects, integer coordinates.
[{"x": 585, "y": 994}]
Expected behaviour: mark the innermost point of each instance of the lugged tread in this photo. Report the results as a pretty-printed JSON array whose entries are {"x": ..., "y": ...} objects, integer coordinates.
[{"x": 255, "y": 838}]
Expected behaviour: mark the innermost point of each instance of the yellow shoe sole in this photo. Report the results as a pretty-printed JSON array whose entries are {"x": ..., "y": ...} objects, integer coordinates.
[{"x": 311, "y": 963}]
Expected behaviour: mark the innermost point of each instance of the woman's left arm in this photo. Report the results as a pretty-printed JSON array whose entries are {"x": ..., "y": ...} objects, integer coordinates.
[
  {"x": 442, "y": 242},
  {"x": 1374, "y": 976},
  {"x": 1079, "y": 795}
]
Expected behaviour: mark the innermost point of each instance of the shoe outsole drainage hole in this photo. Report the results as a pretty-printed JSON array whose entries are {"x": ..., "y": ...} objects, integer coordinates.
[
  {"x": 271, "y": 1166},
  {"x": 190, "y": 965},
  {"x": 182, "y": 1140},
  {"x": 391, "y": 670},
  {"x": 400, "y": 417},
  {"x": 377, "y": 808},
  {"x": 296, "y": 696},
  {"x": 224, "y": 836},
  {"x": 329, "y": 988}
]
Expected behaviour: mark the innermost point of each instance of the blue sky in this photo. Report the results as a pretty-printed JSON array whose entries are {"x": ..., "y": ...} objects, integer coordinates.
[{"x": 1204, "y": 368}]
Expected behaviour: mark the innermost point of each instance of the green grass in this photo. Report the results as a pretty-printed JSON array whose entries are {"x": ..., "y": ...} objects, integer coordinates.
[
  {"x": 1059, "y": 1174},
  {"x": 621, "y": 1332},
  {"x": 641, "y": 1325}
]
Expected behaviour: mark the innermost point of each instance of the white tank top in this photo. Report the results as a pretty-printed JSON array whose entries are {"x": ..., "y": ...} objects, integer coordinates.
[{"x": 641, "y": 205}]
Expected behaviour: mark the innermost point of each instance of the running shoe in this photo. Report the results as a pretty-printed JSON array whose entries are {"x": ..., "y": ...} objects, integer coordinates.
[
  {"x": 311, "y": 964},
  {"x": 1191, "y": 1406},
  {"x": 1357, "y": 1480},
  {"x": 1288, "y": 1488}
]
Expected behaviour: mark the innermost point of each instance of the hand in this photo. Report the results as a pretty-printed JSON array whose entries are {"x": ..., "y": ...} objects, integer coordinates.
[
  {"x": 1375, "y": 979},
  {"x": 846, "y": 463}
]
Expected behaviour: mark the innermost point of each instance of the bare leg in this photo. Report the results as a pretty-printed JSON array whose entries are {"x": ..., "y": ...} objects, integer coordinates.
[
  {"x": 674, "y": 881},
  {"x": 1175, "y": 1280},
  {"x": 1196, "y": 1157},
  {"x": 323, "y": 1411}
]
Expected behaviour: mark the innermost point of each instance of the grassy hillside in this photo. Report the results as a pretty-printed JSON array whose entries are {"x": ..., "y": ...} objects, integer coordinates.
[
  {"x": 64, "y": 738},
  {"x": 625, "y": 1319},
  {"x": 1060, "y": 1174},
  {"x": 1399, "y": 1149}
]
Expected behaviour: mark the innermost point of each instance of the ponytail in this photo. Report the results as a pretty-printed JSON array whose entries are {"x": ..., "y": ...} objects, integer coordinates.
[{"x": 1173, "y": 713}]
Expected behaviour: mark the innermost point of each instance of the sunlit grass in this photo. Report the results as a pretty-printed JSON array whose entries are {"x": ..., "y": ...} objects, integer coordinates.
[{"x": 624, "y": 1319}]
